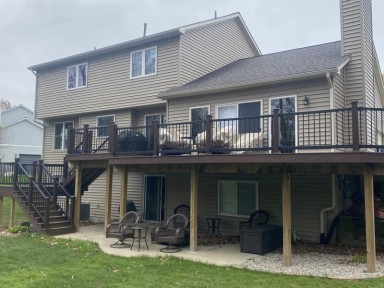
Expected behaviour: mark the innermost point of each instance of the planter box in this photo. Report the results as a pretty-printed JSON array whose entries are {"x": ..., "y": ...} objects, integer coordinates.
[{"x": 261, "y": 239}]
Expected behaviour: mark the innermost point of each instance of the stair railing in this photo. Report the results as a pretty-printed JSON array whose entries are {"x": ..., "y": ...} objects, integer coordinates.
[
  {"x": 51, "y": 184},
  {"x": 38, "y": 202}
]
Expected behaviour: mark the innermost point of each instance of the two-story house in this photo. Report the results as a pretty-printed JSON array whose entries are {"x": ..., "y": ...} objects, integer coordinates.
[
  {"x": 21, "y": 135},
  {"x": 196, "y": 115}
]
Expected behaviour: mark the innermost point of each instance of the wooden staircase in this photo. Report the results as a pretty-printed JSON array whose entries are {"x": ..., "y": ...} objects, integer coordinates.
[{"x": 48, "y": 202}]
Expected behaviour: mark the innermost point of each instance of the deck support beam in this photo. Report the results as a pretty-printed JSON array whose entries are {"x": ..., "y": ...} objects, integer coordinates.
[
  {"x": 123, "y": 190},
  {"x": 194, "y": 209},
  {"x": 78, "y": 184},
  {"x": 108, "y": 196},
  {"x": 12, "y": 216},
  {"x": 369, "y": 219},
  {"x": 287, "y": 224},
  {"x": 1, "y": 210}
]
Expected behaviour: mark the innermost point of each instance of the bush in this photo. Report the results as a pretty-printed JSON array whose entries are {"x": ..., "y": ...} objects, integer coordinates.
[{"x": 18, "y": 229}]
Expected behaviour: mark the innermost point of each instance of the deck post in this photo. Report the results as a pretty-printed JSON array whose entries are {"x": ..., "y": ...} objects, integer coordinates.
[
  {"x": 71, "y": 140},
  {"x": 194, "y": 209},
  {"x": 156, "y": 137},
  {"x": 16, "y": 172},
  {"x": 1, "y": 210},
  {"x": 85, "y": 138},
  {"x": 287, "y": 225},
  {"x": 108, "y": 196},
  {"x": 112, "y": 134},
  {"x": 208, "y": 134},
  {"x": 12, "y": 216},
  {"x": 65, "y": 169},
  {"x": 369, "y": 219},
  {"x": 123, "y": 190},
  {"x": 275, "y": 131},
  {"x": 39, "y": 172},
  {"x": 78, "y": 184},
  {"x": 355, "y": 127}
]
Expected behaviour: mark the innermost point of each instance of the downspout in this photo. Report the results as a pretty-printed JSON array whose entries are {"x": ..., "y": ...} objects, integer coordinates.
[
  {"x": 331, "y": 106},
  {"x": 332, "y": 207}
]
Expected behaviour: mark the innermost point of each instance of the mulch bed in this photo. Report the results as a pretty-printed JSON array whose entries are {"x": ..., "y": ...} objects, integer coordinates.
[{"x": 216, "y": 240}]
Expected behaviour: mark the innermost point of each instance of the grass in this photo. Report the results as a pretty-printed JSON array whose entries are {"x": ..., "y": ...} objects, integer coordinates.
[
  {"x": 33, "y": 260},
  {"x": 19, "y": 214}
]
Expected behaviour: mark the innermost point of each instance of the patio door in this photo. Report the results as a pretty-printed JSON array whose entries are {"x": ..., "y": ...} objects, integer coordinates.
[
  {"x": 154, "y": 197},
  {"x": 288, "y": 125},
  {"x": 148, "y": 121}
]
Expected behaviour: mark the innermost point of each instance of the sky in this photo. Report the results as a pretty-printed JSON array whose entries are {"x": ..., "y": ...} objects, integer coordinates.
[{"x": 38, "y": 31}]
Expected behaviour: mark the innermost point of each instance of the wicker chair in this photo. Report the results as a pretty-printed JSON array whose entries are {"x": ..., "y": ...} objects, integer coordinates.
[
  {"x": 172, "y": 236},
  {"x": 122, "y": 229},
  {"x": 259, "y": 217}
]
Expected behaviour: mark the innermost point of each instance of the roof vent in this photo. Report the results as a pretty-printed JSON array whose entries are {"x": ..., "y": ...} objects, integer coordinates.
[{"x": 145, "y": 30}]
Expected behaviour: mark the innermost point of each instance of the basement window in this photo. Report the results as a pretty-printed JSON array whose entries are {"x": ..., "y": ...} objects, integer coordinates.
[{"x": 237, "y": 198}]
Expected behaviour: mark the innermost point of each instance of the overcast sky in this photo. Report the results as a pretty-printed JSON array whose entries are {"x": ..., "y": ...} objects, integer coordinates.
[{"x": 37, "y": 31}]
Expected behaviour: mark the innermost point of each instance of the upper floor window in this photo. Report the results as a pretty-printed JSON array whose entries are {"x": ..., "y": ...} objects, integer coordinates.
[
  {"x": 77, "y": 76},
  {"x": 103, "y": 122},
  {"x": 61, "y": 135},
  {"x": 143, "y": 62}
]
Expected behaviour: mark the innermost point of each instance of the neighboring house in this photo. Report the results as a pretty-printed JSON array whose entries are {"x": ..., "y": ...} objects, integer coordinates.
[
  {"x": 21, "y": 135},
  {"x": 314, "y": 153}
]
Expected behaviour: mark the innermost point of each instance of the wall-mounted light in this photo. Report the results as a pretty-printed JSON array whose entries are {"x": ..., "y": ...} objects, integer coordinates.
[{"x": 306, "y": 100}]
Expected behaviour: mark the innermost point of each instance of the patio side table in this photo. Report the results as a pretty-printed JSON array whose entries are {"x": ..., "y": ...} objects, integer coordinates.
[
  {"x": 137, "y": 235},
  {"x": 213, "y": 224}
]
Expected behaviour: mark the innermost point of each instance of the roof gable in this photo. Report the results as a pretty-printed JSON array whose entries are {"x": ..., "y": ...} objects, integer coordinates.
[
  {"x": 146, "y": 40},
  {"x": 291, "y": 64}
]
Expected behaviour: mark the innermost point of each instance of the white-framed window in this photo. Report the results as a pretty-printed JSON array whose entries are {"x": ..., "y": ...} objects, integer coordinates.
[
  {"x": 103, "y": 122},
  {"x": 237, "y": 198},
  {"x": 61, "y": 134},
  {"x": 242, "y": 110},
  {"x": 77, "y": 76},
  {"x": 144, "y": 62},
  {"x": 197, "y": 116},
  {"x": 148, "y": 119}
]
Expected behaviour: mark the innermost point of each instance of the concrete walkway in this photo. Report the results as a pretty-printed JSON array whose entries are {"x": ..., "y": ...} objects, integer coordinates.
[{"x": 219, "y": 255}]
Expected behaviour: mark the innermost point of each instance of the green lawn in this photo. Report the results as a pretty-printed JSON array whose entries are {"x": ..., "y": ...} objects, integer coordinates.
[
  {"x": 19, "y": 214},
  {"x": 32, "y": 260}
]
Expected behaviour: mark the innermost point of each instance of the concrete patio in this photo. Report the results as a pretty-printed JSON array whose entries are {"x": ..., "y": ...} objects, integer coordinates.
[
  {"x": 319, "y": 263},
  {"x": 228, "y": 254}
]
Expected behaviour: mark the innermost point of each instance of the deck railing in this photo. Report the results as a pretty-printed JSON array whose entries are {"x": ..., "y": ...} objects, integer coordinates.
[
  {"x": 338, "y": 129},
  {"x": 51, "y": 185}
]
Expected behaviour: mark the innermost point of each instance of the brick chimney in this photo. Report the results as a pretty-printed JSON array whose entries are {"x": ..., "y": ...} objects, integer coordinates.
[{"x": 357, "y": 42}]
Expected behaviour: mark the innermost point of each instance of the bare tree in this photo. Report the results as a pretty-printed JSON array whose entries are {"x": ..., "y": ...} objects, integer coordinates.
[{"x": 5, "y": 104}]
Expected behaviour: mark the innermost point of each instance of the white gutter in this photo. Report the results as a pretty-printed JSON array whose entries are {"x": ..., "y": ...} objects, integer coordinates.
[
  {"x": 332, "y": 207},
  {"x": 331, "y": 106}
]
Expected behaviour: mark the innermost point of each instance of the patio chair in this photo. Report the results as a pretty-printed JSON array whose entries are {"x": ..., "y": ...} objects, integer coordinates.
[
  {"x": 122, "y": 229},
  {"x": 259, "y": 217},
  {"x": 173, "y": 237}
]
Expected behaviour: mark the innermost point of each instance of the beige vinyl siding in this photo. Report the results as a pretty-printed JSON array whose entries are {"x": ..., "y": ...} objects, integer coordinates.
[
  {"x": 338, "y": 90},
  {"x": 316, "y": 90},
  {"x": 352, "y": 45},
  {"x": 109, "y": 84},
  {"x": 50, "y": 155},
  {"x": 207, "y": 48},
  {"x": 96, "y": 195},
  {"x": 310, "y": 194}
]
